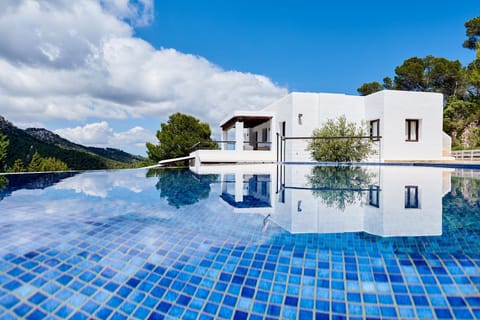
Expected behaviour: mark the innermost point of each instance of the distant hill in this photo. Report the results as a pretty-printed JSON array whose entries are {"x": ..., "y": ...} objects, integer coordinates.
[{"x": 23, "y": 143}]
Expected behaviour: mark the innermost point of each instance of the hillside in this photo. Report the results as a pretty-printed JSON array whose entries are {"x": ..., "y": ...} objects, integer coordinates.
[{"x": 23, "y": 143}]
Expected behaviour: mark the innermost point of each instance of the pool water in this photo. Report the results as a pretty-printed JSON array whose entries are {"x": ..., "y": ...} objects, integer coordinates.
[{"x": 242, "y": 242}]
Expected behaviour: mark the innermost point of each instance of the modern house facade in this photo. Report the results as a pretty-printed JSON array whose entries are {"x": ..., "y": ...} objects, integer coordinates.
[{"x": 408, "y": 124}]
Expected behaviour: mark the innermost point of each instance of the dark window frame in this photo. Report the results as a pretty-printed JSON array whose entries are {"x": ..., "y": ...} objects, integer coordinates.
[
  {"x": 409, "y": 129},
  {"x": 265, "y": 135},
  {"x": 412, "y": 203},
  {"x": 374, "y": 196},
  {"x": 375, "y": 123}
]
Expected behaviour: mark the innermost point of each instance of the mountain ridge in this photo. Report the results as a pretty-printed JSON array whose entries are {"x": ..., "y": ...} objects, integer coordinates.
[{"x": 24, "y": 142}]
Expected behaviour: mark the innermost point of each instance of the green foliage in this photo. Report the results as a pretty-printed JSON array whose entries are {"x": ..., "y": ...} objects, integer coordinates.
[
  {"x": 340, "y": 150},
  {"x": 458, "y": 115},
  {"x": 35, "y": 164},
  {"x": 387, "y": 83},
  {"x": 340, "y": 186},
  {"x": 18, "y": 166},
  {"x": 472, "y": 27},
  {"x": 23, "y": 145},
  {"x": 369, "y": 88},
  {"x": 178, "y": 136},
  {"x": 429, "y": 74},
  {"x": 4, "y": 142},
  {"x": 38, "y": 164},
  {"x": 3, "y": 183},
  {"x": 473, "y": 77},
  {"x": 459, "y": 85},
  {"x": 181, "y": 187}
]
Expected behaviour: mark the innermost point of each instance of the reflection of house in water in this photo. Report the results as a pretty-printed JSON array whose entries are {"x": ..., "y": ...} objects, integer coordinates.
[
  {"x": 255, "y": 191},
  {"x": 385, "y": 200},
  {"x": 247, "y": 188}
]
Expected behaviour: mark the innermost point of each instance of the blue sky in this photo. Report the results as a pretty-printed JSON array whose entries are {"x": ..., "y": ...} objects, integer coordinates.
[
  {"x": 303, "y": 45},
  {"x": 108, "y": 72}
]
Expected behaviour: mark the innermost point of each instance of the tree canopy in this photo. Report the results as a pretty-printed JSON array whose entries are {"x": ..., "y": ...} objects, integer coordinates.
[
  {"x": 472, "y": 27},
  {"x": 429, "y": 74},
  {"x": 178, "y": 136},
  {"x": 460, "y": 86},
  {"x": 39, "y": 163},
  {"x": 345, "y": 149},
  {"x": 369, "y": 87}
]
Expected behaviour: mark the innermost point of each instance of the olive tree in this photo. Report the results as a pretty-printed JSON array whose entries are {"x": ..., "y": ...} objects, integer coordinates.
[{"x": 337, "y": 141}]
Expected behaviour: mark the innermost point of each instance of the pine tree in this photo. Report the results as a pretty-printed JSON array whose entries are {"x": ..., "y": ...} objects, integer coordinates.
[
  {"x": 4, "y": 142},
  {"x": 18, "y": 166},
  {"x": 36, "y": 164}
]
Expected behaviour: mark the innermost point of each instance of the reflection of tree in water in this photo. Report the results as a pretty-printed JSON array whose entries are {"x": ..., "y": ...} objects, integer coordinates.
[
  {"x": 468, "y": 188},
  {"x": 463, "y": 203},
  {"x": 3, "y": 182},
  {"x": 30, "y": 181},
  {"x": 181, "y": 186},
  {"x": 340, "y": 186}
]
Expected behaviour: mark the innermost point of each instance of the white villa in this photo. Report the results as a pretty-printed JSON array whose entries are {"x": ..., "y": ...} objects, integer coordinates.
[{"x": 408, "y": 124}]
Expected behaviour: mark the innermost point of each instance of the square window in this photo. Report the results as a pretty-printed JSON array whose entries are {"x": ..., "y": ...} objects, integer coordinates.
[
  {"x": 374, "y": 196},
  {"x": 411, "y": 197},
  {"x": 375, "y": 129},
  {"x": 264, "y": 135},
  {"x": 411, "y": 130}
]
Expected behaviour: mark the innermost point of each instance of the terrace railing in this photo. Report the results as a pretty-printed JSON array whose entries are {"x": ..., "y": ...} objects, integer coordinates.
[
  {"x": 230, "y": 145},
  {"x": 300, "y": 146},
  {"x": 471, "y": 155}
]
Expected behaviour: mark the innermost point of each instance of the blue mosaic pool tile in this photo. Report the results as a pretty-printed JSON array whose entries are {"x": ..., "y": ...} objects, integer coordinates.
[
  {"x": 388, "y": 311},
  {"x": 36, "y": 314},
  {"x": 443, "y": 313},
  {"x": 456, "y": 302}
]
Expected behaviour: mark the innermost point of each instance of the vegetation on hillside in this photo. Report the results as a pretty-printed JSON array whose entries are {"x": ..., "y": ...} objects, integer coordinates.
[
  {"x": 57, "y": 152},
  {"x": 4, "y": 143},
  {"x": 180, "y": 136},
  {"x": 346, "y": 149},
  {"x": 459, "y": 84}
]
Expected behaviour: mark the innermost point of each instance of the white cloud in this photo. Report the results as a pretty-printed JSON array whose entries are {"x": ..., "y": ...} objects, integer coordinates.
[
  {"x": 78, "y": 60},
  {"x": 55, "y": 33},
  {"x": 139, "y": 12},
  {"x": 100, "y": 134}
]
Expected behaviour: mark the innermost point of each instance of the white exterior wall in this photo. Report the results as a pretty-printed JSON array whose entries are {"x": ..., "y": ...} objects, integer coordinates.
[
  {"x": 402, "y": 105},
  {"x": 315, "y": 109},
  {"x": 392, "y": 218},
  {"x": 391, "y": 107},
  {"x": 283, "y": 112},
  {"x": 306, "y": 104},
  {"x": 374, "y": 110}
]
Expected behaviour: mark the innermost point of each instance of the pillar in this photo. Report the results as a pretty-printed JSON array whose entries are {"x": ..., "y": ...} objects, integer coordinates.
[{"x": 239, "y": 136}]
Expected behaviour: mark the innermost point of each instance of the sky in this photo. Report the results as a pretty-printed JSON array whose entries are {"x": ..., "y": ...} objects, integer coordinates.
[{"x": 107, "y": 73}]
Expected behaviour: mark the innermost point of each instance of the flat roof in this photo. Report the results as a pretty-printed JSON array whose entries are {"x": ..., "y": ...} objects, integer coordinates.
[{"x": 249, "y": 119}]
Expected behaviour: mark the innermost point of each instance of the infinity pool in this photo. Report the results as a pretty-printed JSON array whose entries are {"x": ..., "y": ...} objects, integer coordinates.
[{"x": 242, "y": 242}]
